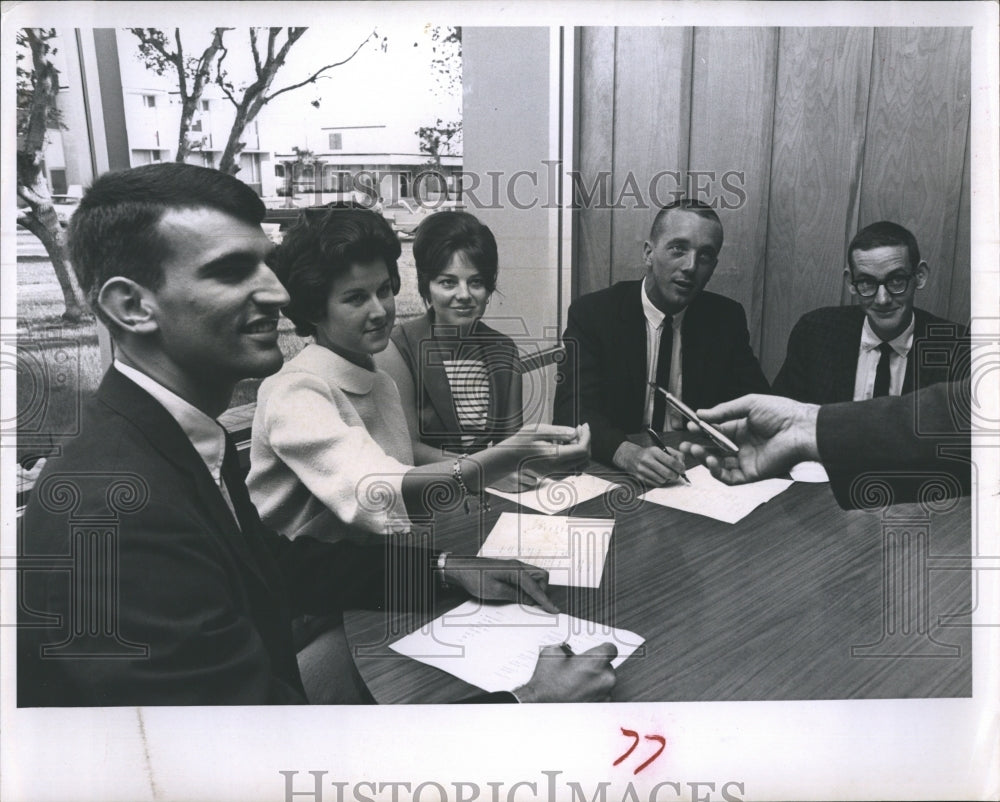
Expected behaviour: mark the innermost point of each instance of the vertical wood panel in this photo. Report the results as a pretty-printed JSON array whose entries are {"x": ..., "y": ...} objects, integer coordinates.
[
  {"x": 960, "y": 297},
  {"x": 595, "y": 148},
  {"x": 651, "y": 123},
  {"x": 732, "y": 106},
  {"x": 916, "y": 143},
  {"x": 819, "y": 124}
]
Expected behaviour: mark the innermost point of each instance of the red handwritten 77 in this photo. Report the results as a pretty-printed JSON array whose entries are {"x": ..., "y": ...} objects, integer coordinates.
[{"x": 633, "y": 734}]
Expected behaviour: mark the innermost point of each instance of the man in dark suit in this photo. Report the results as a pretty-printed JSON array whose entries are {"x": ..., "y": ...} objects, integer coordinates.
[
  {"x": 912, "y": 445},
  {"x": 145, "y": 574},
  {"x": 662, "y": 329},
  {"x": 845, "y": 353}
]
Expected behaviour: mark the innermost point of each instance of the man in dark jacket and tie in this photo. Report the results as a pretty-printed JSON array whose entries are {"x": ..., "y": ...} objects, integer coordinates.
[
  {"x": 145, "y": 576},
  {"x": 662, "y": 329},
  {"x": 880, "y": 347}
]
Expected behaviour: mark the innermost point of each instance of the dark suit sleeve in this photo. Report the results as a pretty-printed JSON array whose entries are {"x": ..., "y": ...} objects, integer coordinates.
[
  {"x": 325, "y": 577},
  {"x": 745, "y": 374},
  {"x": 792, "y": 380},
  {"x": 579, "y": 393},
  {"x": 887, "y": 450},
  {"x": 176, "y": 599}
]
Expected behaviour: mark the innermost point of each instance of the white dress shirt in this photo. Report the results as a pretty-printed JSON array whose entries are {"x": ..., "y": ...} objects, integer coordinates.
[
  {"x": 869, "y": 355},
  {"x": 205, "y": 433},
  {"x": 654, "y": 330}
]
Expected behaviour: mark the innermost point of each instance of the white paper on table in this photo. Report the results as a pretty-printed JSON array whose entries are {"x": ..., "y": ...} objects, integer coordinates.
[
  {"x": 572, "y": 550},
  {"x": 708, "y": 496},
  {"x": 495, "y": 647},
  {"x": 552, "y": 495}
]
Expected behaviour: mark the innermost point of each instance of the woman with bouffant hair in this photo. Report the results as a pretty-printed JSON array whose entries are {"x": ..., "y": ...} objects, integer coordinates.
[
  {"x": 331, "y": 454},
  {"x": 459, "y": 379}
]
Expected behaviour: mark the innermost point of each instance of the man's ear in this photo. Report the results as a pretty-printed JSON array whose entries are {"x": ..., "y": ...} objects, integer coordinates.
[
  {"x": 129, "y": 304},
  {"x": 922, "y": 273},
  {"x": 847, "y": 278},
  {"x": 647, "y": 253}
]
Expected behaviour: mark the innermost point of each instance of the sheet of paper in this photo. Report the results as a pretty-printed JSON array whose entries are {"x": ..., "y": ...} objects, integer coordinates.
[
  {"x": 495, "y": 647},
  {"x": 572, "y": 550},
  {"x": 553, "y": 495},
  {"x": 708, "y": 496}
]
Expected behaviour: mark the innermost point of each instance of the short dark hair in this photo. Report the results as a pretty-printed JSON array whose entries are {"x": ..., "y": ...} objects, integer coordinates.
[
  {"x": 881, "y": 234},
  {"x": 322, "y": 245},
  {"x": 442, "y": 235},
  {"x": 685, "y": 205},
  {"x": 113, "y": 231}
]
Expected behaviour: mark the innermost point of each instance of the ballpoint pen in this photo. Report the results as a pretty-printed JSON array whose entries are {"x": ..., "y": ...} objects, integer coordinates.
[
  {"x": 663, "y": 448},
  {"x": 716, "y": 436}
]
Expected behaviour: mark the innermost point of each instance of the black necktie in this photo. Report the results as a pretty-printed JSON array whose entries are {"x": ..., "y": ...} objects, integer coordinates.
[
  {"x": 237, "y": 490},
  {"x": 882, "y": 372},
  {"x": 663, "y": 373}
]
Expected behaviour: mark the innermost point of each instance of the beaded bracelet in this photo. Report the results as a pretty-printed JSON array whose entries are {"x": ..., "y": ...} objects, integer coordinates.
[{"x": 456, "y": 472}]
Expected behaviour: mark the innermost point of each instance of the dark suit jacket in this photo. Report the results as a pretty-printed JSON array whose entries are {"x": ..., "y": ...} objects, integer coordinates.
[
  {"x": 898, "y": 448},
  {"x": 822, "y": 356},
  {"x": 424, "y": 354},
  {"x": 603, "y": 378},
  {"x": 190, "y": 609}
]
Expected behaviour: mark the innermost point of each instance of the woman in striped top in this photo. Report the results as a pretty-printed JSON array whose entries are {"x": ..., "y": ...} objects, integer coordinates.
[
  {"x": 331, "y": 453},
  {"x": 459, "y": 379}
]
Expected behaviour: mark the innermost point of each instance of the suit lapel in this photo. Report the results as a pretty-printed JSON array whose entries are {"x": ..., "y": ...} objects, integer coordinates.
[
  {"x": 631, "y": 350},
  {"x": 846, "y": 345},
  {"x": 920, "y": 321},
  {"x": 431, "y": 378},
  {"x": 695, "y": 352},
  {"x": 166, "y": 436}
]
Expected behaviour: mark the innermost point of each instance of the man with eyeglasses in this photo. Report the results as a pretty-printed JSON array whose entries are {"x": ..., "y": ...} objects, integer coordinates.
[
  {"x": 853, "y": 353},
  {"x": 662, "y": 330}
]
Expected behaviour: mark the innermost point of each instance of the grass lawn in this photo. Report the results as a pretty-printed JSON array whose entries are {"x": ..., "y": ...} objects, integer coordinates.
[{"x": 59, "y": 364}]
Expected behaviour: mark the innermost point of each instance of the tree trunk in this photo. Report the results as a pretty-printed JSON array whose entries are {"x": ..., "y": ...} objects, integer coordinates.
[{"x": 44, "y": 224}]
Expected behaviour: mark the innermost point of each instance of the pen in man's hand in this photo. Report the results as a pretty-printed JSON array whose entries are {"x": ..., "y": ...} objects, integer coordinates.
[
  {"x": 566, "y": 649},
  {"x": 663, "y": 448}
]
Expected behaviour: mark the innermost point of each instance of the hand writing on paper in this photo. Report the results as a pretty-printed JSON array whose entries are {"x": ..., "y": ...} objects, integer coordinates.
[
  {"x": 562, "y": 677},
  {"x": 500, "y": 580},
  {"x": 773, "y": 434},
  {"x": 652, "y": 465}
]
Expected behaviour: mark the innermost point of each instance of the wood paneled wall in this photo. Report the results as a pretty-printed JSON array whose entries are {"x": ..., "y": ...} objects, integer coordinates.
[{"x": 831, "y": 129}]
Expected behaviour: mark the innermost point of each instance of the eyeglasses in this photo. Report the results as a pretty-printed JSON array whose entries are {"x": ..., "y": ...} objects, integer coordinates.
[{"x": 867, "y": 287}]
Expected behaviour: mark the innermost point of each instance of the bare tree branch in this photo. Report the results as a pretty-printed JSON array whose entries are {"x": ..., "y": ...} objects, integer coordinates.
[{"x": 312, "y": 78}]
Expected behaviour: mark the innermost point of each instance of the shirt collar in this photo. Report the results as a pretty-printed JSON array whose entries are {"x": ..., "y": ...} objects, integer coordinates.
[
  {"x": 349, "y": 377},
  {"x": 901, "y": 344},
  {"x": 205, "y": 433},
  {"x": 654, "y": 316}
]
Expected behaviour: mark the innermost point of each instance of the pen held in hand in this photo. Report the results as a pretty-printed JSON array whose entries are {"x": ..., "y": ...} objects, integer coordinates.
[
  {"x": 663, "y": 448},
  {"x": 714, "y": 434}
]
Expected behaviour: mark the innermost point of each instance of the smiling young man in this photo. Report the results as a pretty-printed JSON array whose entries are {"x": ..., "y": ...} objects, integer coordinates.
[
  {"x": 853, "y": 353},
  {"x": 663, "y": 329},
  {"x": 145, "y": 574}
]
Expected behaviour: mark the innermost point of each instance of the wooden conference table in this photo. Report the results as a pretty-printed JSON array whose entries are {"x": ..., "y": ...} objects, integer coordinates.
[{"x": 799, "y": 600}]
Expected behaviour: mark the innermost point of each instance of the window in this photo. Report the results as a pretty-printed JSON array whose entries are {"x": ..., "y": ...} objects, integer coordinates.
[
  {"x": 204, "y": 105},
  {"x": 336, "y": 142},
  {"x": 149, "y": 101},
  {"x": 196, "y": 125}
]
